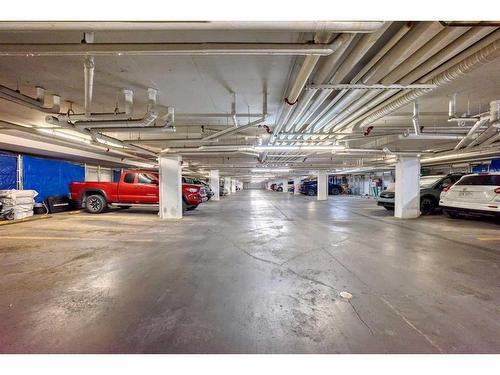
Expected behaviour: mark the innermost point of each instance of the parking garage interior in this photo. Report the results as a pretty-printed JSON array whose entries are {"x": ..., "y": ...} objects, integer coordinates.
[{"x": 251, "y": 187}]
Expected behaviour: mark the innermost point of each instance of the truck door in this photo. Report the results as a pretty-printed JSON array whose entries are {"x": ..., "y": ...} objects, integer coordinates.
[
  {"x": 148, "y": 188},
  {"x": 128, "y": 188}
]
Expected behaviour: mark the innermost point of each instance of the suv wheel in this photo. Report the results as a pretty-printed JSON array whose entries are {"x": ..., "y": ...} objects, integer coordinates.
[
  {"x": 335, "y": 191},
  {"x": 427, "y": 205},
  {"x": 95, "y": 204},
  {"x": 280, "y": 189},
  {"x": 311, "y": 193}
]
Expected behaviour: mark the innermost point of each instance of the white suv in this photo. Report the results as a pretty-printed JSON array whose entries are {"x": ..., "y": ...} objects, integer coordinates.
[{"x": 475, "y": 194}]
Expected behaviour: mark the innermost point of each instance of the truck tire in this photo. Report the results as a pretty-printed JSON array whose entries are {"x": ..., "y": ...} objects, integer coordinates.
[
  {"x": 335, "y": 191},
  {"x": 95, "y": 204}
]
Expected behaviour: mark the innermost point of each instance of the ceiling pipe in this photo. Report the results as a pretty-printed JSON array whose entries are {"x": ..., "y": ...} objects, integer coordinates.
[
  {"x": 461, "y": 48},
  {"x": 89, "y": 67},
  {"x": 359, "y": 50},
  {"x": 27, "y": 101},
  {"x": 406, "y": 46},
  {"x": 148, "y": 120},
  {"x": 480, "y": 58},
  {"x": 236, "y": 128},
  {"x": 472, "y": 131},
  {"x": 415, "y": 119},
  {"x": 293, "y": 94},
  {"x": 167, "y": 49},
  {"x": 290, "y": 26}
]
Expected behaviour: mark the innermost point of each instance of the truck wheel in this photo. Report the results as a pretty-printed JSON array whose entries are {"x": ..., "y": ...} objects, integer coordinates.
[
  {"x": 427, "y": 205},
  {"x": 95, "y": 204}
]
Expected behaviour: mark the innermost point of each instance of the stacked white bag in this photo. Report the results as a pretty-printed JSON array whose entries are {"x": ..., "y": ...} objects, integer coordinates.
[{"x": 17, "y": 204}]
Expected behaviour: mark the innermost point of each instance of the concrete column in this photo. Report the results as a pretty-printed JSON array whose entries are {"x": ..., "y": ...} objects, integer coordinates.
[
  {"x": 227, "y": 185},
  {"x": 322, "y": 186},
  {"x": 233, "y": 186},
  {"x": 407, "y": 200},
  {"x": 284, "y": 183},
  {"x": 296, "y": 185},
  {"x": 214, "y": 184},
  {"x": 170, "y": 187}
]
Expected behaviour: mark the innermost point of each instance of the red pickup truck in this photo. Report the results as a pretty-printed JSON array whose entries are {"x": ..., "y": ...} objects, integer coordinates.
[{"x": 134, "y": 188}]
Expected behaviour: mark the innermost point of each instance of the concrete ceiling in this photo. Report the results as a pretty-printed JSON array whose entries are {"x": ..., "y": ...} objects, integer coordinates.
[{"x": 205, "y": 84}]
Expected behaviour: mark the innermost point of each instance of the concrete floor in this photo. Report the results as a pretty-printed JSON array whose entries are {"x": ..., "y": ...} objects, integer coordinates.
[{"x": 258, "y": 272}]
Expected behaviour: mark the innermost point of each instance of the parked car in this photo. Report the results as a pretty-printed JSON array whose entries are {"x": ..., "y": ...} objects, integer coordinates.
[
  {"x": 430, "y": 189},
  {"x": 135, "y": 187},
  {"x": 277, "y": 187},
  {"x": 205, "y": 191},
  {"x": 475, "y": 194},
  {"x": 310, "y": 187}
]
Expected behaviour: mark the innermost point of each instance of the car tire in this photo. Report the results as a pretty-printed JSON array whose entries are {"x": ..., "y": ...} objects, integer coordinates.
[
  {"x": 451, "y": 214},
  {"x": 427, "y": 206},
  {"x": 95, "y": 204},
  {"x": 280, "y": 189},
  {"x": 191, "y": 208},
  {"x": 184, "y": 206},
  {"x": 311, "y": 193},
  {"x": 335, "y": 191}
]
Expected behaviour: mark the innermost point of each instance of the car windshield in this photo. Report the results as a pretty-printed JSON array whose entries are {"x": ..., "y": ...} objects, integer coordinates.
[
  {"x": 429, "y": 181},
  {"x": 485, "y": 180}
]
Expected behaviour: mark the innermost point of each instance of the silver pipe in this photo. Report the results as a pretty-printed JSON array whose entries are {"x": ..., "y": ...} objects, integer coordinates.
[
  {"x": 148, "y": 119},
  {"x": 27, "y": 101},
  {"x": 480, "y": 58},
  {"x": 166, "y": 49},
  {"x": 471, "y": 132},
  {"x": 89, "y": 67},
  {"x": 290, "y": 26}
]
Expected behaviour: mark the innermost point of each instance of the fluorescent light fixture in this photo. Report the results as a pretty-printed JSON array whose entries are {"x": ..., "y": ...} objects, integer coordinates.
[
  {"x": 268, "y": 170},
  {"x": 298, "y": 148}
]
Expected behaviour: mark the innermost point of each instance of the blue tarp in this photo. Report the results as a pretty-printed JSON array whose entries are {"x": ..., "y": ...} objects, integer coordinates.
[
  {"x": 50, "y": 177},
  {"x": 495, "y": 165},
  {"x": 8, "y": 171},
  {"x": 116, "y": 175}
]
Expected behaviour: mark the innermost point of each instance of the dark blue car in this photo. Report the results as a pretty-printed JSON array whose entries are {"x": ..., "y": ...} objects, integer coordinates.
[{"x": 310, "y": 187}]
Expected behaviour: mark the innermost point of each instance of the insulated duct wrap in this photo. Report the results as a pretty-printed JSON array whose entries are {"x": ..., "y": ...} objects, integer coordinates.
[{"x": 480, "y": 58}]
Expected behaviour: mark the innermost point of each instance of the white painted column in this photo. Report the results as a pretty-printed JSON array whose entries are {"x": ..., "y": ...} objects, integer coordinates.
[
  {"x": 296, "y": 185},
  {"x": 214, "y": 184},
  {"x": 170, "y": 187},
  {"x": 227, "y": 185},
  {"x": 322, "y": 186},
  {"x": 407, "y": 200},
  {"x": 284, "y": 183},
  {"x": 233, "y": 186}
]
